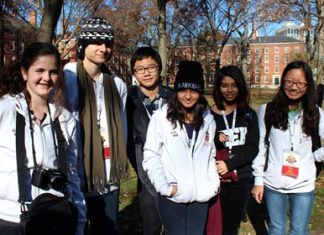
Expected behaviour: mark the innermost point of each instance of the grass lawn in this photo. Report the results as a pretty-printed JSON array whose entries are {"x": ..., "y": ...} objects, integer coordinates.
[{"x": 130, "y": 219}]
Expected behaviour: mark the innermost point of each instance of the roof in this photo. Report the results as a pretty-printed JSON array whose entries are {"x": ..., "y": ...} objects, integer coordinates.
[{"x": 267, "y": 39}]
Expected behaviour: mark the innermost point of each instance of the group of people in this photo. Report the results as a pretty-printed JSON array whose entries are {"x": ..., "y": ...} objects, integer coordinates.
[{"x": 197, "y": 165}]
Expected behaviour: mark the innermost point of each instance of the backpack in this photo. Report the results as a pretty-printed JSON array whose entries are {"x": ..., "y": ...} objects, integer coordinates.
[
  {"x": 316, "y": 144},
  {"x": 48, "y": 214}
]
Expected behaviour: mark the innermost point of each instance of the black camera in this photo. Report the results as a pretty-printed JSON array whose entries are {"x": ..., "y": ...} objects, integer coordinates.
[{"x": 46, "y": 179}]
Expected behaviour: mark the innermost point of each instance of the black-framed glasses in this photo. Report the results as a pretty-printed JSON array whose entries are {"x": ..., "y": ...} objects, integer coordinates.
[
  {"x": 299, "y": 84},
  {"x": 151, "y": 69}
]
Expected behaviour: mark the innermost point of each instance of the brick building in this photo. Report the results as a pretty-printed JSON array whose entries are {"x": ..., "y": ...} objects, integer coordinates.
[
  {"x": 17, "y": 34},
  {"x": 266, "y": 59}
]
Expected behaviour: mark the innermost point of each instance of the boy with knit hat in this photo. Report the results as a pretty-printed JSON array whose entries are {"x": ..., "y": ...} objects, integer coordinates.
[{"x": 97, "y": 99}]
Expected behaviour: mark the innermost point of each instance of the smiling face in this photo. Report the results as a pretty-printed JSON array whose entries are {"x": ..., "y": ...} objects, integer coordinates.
[
  {"x": 147, "y": 72},
  {"x": 97, "y": 53},
  {"x": 41, "y": 76},
  {"x": 188, "y": 98},
  {"x": 295, "y": 84},
  {"x": 229, "y": 89}
]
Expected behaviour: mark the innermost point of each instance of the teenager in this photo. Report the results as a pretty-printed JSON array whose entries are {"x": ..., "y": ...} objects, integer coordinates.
[
  {"x": 33, "y": 89},
  {"x": 284, "y": 169},
  {"x": 142, "y": 101},
  {"x": 236, "y": 139},
  {"x": 179, "y": 154},
  {"x": 97, "y": 99}
]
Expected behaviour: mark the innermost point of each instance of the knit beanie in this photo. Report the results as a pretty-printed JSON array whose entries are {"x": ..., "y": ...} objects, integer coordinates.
[
  {"x": 190, "y": 76},
  {"x": 95, "y": 30}
]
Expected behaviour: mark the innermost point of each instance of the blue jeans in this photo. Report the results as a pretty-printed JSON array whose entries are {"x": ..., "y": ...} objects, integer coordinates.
[
  {"x": 182, "y": 218},
  {"x": 300, "y": 208}
]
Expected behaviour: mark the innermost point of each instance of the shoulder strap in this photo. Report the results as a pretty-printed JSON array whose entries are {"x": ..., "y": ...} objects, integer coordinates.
[
  {"x": 316, "y": 144},
  {"x": 62, "y": 159},
  {"x": 20, "y": 155},
  {"x": 316, "y": 139}
]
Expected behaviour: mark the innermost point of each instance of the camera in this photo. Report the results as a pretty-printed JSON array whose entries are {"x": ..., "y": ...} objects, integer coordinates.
[{"x": 50, "y": 178}]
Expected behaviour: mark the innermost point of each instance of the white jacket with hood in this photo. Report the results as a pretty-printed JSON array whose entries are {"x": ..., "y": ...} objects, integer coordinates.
[
  {"x": 280, "y": 141},
  {"x": 169, "y": 158},
  {"x": 45, "y": 156}
]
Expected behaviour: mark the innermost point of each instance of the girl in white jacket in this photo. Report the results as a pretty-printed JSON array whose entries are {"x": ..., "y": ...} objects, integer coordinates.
[
  {"x": 179, "y": 155},
  {"x": 284, "y": 169},
  {"x": 33, "y": 89}
]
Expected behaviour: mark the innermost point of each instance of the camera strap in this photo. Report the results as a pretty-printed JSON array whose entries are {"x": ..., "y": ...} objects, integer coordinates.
[{"x": 21, "y": 153}]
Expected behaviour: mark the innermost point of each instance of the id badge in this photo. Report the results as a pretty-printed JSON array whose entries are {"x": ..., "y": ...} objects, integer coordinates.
[{"x": 290, "y": 163}]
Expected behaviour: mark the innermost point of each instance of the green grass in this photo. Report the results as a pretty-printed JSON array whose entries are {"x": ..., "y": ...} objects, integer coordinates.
[{"x": 130, "y": 219}]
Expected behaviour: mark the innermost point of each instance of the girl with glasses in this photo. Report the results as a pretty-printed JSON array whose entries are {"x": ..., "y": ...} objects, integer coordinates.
[{"x": 284, "y": 169}]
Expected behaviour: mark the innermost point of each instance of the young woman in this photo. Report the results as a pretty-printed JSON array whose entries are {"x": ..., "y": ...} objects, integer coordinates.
[
  {"x": 236, "y": 140},
  {"x": 179, "y": 155},
  {"x": 33, "y": 89},
  {"x": 284, "y": 169}
]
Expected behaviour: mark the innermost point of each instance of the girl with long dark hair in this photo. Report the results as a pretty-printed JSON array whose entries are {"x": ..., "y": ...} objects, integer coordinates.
[
  {"x": 284, "y": 169},
  {"x": 236, "y": 140},
  {"x": 179, "y": 155}
]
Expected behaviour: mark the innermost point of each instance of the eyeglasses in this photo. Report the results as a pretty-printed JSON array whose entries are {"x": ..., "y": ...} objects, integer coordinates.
[
  {"x": 290, "y": 83},
  {"x": 151, "y": 69}
]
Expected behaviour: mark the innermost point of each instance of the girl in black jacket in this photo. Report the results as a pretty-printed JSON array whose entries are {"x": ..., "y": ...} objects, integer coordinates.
[{"x": 237, "y": 141}]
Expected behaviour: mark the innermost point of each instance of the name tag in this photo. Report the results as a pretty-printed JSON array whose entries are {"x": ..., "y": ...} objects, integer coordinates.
[{"x": 290, "y": 164}]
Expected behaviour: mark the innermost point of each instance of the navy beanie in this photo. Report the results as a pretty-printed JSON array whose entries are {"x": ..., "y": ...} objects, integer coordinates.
[{"x": 190, "y": 76}]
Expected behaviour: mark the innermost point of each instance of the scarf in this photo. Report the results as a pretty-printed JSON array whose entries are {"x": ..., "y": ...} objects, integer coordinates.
[{"x": 92, "y": 141}]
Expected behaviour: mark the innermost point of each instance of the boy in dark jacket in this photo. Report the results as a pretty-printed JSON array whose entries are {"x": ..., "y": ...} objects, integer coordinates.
[{"x": 142, "y": 101}]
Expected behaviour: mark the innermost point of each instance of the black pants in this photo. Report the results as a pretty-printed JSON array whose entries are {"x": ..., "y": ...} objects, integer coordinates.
[
  {"x": 150, "y": 218},
  {"x": 102, "y": 211},
  {"x": 9, "y": 228},
  {"x": 234, "y": 199}
]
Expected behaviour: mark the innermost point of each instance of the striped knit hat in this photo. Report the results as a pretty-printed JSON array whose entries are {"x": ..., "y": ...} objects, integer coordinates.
[{"x": 95, "y": 30}]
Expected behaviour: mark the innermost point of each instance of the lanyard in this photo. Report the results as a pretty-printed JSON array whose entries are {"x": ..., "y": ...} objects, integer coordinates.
[
  {"x": 292, "y": 127},
  {"x": 230, "y": 142}
]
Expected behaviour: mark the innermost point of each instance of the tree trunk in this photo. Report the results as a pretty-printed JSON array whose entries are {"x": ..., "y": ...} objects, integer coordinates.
[
  {"x": 320, "y": 67},
  {"x": 162, "y": 37},
  {"x": 52, "y": 12}
]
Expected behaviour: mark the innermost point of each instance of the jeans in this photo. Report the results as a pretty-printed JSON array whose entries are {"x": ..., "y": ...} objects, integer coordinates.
[
  {"x": 151, "y": 221},
  {"x": 182, "y": 218},
  {"x": 300, "y": 207},
  {"x": 102, "y": 211}
]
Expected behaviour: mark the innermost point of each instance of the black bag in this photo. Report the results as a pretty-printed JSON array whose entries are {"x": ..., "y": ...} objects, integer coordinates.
[{"x": 50, "y": 215}]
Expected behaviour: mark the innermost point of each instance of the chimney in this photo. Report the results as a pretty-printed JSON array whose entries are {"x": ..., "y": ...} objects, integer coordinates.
[
  {"x": 33, "y": 18},
  {"x": 255, "y": 34}
]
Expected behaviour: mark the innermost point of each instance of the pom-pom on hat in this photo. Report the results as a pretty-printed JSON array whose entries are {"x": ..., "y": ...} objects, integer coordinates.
[
  {"x": 190, "y": 76},
  {"x": 95, "y": 30}
]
